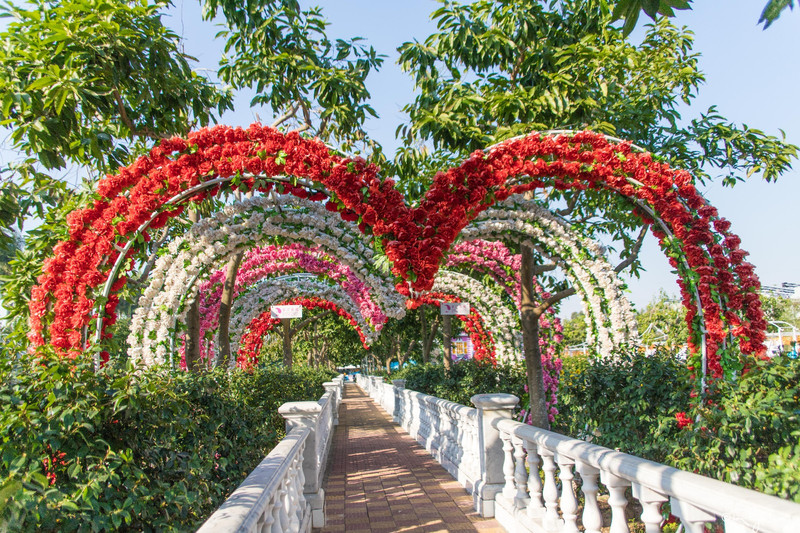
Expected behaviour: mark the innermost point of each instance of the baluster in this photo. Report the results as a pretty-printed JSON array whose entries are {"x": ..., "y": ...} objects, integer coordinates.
[
  {"x": 617, "y": 500},
  {"x": 535, "y": 507},
  {"x": 520, "y": 474},
  {"x": 592, "y": 518},
  {"x": 693, "y": 518},
  {"x": 551, "y": 520},
  {"x": 277, "y": 512},
  {"x": 508, "y": 467},
  {"x": 651, "y": 507},
  {"x": 569, "y": 504},
  {"x": 268, "y": 519}
]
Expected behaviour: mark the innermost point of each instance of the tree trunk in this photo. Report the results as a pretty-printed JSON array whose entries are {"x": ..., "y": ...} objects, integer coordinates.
[
  {"x": 447, "y": 329},
  {"x": 287, "y": 343},
  {"x": 224, "y": 339},
  {"x": 530, "y": 342},
  {"x": 424, "y": 336},
  {"x": 192, "y": 348}
]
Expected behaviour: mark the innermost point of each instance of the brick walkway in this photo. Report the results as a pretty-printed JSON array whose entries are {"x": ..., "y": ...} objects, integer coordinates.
[{"x": 381, "y": 480}]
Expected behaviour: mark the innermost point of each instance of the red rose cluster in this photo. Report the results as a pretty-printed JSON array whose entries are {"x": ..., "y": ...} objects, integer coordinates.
[{"x": 415, "y": 239}]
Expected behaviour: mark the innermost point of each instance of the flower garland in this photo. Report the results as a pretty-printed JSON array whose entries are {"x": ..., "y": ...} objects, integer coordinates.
[
  {"x": 253, "y": 337},
  {"x": 273, "y": 260},
  {"x": 156, "y": 187},
  {"x": 610, "y": 321},
  {"x": 271, "y": 292},
  {"x": 482, "y": 339}
]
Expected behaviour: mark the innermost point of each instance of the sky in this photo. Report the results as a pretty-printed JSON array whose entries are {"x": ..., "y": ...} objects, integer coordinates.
[{"x": 752, "y": 76}]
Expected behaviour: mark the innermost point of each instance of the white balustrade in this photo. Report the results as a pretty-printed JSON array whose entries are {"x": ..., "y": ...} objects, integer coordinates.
[
  {"x": 697, "y": 501},
  {"x": 525, "y": 476},
  {"x": 284, "y": 493}
]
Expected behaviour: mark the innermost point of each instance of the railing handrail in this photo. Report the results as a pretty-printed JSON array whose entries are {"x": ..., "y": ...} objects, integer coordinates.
[
  {"x": 717, "y": 497},
  {"x": 241, "y": 511}
]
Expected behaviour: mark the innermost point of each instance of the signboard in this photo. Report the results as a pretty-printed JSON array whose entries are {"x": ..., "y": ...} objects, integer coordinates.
[
  {"x": 286, "y": 311},
  {"x": 462, "y": 348},
  {"x": 454, "y": 308}
]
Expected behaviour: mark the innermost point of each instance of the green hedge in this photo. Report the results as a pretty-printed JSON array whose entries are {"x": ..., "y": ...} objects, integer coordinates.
[
  {"x": 464, "y": 380},
  {"x": 153, "y": 451},
  {"x": 627, "y": 403}
]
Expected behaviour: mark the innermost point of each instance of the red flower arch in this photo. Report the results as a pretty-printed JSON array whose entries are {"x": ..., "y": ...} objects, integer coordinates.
[
  {"x": 158, "y": 186},
  {"x": 253, "y": 336}
]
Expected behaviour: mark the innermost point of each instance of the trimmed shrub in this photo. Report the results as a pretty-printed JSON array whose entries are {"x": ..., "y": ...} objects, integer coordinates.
[{"x": 113, "y": 450}]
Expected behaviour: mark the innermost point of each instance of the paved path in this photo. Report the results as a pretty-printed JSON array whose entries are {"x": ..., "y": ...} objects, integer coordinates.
[{"x": 381, "y": 480}]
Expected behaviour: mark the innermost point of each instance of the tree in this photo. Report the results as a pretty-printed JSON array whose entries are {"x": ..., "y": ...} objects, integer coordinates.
[
  {"x": 83, "y": 86},
  {"x": 778, "y": 308},
  {"x": 494, "y": 70},
  {"x": 575, "y": 329},
  {"x": 664, "y": 320}
]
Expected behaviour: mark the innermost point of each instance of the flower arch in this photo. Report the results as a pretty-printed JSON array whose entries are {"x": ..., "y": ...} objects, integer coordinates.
[
  {"x": 711, "y": 266},
  {"x": 211, "y": 241},
  {"x": 253, "y": 337},
  {"x": 274, "y": 260},
  {"x": 609, "y": 318}
]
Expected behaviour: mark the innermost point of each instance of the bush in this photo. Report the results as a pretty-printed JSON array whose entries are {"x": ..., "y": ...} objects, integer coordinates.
[
  {"x": 627, "y": 403},
  {"x": 748, "y": 433},
  {"x": 159, "y": 450},
  {"x": 464, "y": 379}
]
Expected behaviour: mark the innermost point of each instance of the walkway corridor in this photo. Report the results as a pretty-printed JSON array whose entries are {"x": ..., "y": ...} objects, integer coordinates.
[{"x": 381, "y": 480}]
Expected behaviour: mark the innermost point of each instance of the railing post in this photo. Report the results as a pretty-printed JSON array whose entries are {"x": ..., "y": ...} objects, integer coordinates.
[
  {"x": 334, "y": 388},
  {"x": 491, "y": 407},
  {"x": 306, "y": 415},
  {"x": 399, "y": 400}
]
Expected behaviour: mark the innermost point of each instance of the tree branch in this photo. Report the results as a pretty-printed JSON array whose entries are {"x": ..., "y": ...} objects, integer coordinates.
[
  {"x": 286, "y": 116},
  {"x": 306, "y": 116},
  {"x": 571, "y": 203},
  {"x": 123, "y": 115},
  {"x": 634, "y": 251},
  {"x": 307, "y": 321},
  {"x": 557, "y": 297},
  {"x": 541, "y": 269}
]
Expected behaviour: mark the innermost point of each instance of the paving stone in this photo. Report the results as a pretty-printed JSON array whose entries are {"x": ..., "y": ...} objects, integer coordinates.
[{"x": 381, "y": 480}]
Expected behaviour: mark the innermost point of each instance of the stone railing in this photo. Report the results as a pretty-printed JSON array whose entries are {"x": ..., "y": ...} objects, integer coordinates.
[
  {"x": 284, "y": 492},
  {"x": 523, "y": 476}
]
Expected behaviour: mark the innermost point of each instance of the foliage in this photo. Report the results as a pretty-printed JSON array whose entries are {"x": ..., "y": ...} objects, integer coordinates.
[
  {"x": 748, "y": 434},
  {"x": 575, "y": 329},
  {"x": 629, "y": 10},
  {"x": 495, "y": 70},
  {"x": 627, "y": 403},
  {"x": 78, "y": 75},
  {"x": 464, "y": 380},
  {"x": 117, "y": 451},
  {"x": 301, "y": 72},
  {"x": 778, "y": 308},
  {"x": 666, "y": 320}
]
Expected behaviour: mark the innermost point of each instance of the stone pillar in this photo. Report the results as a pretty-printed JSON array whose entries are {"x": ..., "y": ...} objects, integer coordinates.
[
  {"x": 334, "y": 389},
  {"x": 306, "y": 415},
  {"x": 399, "y": 400},
  {"x": 491, "y": 407}
]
